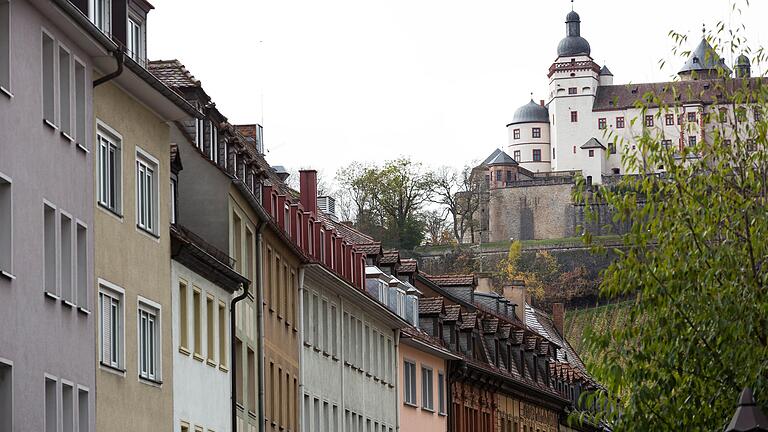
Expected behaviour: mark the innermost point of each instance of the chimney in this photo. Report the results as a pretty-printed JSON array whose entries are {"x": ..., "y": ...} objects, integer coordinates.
[
  {"x": 516, "y": 292},
  {"x": 541, "y": 102},
  {"x": 308, "y": 190},
  {"x": 484, "y": 283},
  {"x": 558, "y": 317}
]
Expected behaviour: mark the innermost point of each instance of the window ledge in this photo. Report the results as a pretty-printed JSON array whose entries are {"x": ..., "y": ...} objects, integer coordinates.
[
  {"x": 82, "y": 148},
  {"x": 150, "y": 381},
  {"x": 83, "y": 310},
  {"x": 307, "y": 344},
  {"x": 279, "y": 316},
  {"x": 211, "y": 363},
  {"x": 50, "y": 124},
  {"x": 111, "y": 369},
  {"x": 442, "y": 414},
  {"x": 51, "y": 296},
  {"x": 253, "y": 416},
  {"x": 428, "y": 409},
  {"x": 198, "y": 357},
  {"x": 223, "y": 368},
  {"x": 6, "y": 92},
  {"x": 412, "y": 405},
  {"x": 184, "y": 351},
  {"x": 325, "y": 353},
  {"x": 335, "y": 358},
  {"x": 68, "y": 303},
  {"x": 148, "y": 232},
  {"x": 110, "y": 211},
  {"x": 316, "y": 349},
  {"x": 66, "y": 136},
  {"x": 7, "y": 275}
]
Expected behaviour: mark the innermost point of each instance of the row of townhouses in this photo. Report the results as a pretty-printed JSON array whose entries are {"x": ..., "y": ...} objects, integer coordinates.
[{"x": 156, "y": 273}]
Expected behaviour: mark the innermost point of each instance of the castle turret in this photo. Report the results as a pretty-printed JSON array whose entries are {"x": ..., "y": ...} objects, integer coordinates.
[
  {"x": 606, "y": 77},
  {"x": 573, "y": 81},
  {"x": 703, "y": 63},
  {"x": 743, "y": 67},
  {"x": 529, "y": 142}
]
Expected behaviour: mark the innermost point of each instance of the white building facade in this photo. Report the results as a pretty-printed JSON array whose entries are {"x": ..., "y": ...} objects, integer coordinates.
[{"x": 587, "y": 122}]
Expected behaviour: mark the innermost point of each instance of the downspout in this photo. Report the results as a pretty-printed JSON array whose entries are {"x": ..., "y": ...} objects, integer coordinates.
[
  {"x": 300, "y": 396},
  {"x": 448, "y": 396},
  {"x": 396, "y": 378},
  {"x": 260, "y": 322},
  {"x": 233, "y": 327},
  {"x": 119, "y": 56}
]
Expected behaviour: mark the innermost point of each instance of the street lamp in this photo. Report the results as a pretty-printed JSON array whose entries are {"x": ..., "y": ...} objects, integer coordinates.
[{"x": 748, "y": 417}]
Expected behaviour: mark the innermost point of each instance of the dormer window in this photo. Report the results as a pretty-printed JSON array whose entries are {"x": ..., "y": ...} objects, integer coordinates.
[
  {"x": 213, "y": 138},
  {"x": 99, "y": 12},
  {"x": 136, "y": 47}
]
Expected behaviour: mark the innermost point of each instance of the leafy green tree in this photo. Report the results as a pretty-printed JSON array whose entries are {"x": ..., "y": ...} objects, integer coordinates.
[{"x": 695, "y": 260}]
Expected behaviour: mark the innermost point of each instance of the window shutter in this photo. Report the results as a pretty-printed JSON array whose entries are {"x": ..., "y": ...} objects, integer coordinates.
[{"x": 106, "y": 328}]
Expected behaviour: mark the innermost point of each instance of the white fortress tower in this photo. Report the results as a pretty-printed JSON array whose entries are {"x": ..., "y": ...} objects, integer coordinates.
[{"x": 529, "y": 142}]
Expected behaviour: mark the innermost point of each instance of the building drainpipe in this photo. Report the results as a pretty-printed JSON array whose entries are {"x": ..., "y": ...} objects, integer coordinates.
[
  {"x": 343, "y": 357},
  {"x": 396, "y": 378},
  {"x": 300, "y": 401},
  {"x": 119, "y": 56},
  {"x": 448, "y": 397},
  {"x": 233, "y": 328},
  {"x": 260, "y": 322}
]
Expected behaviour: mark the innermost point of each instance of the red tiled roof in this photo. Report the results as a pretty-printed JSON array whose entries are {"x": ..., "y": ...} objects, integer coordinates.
[
  {"x": 453, "y": 280},
  {"x": 369, "y": 248},
  {"x": 430, "y": 305},
  {"x": 468, "y": 320},
  {"x": 391, "y": 256},
  {"x": 452, "y": 312},
  {"x": 172, "y": 73},
  {"x": 490, "y": 325},
  {"x": 350, "y": 234},
  {"x": 408, "y": 265}
]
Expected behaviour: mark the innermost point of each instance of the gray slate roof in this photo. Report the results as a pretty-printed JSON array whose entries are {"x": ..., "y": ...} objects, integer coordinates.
[
  {"x": 593, "y": 143},
  {"x": 490, "y": 158},
  {"x": 502, "y": 159},
  {"x": 530, "y": 113},
  {"x": 605, "y": 71},
  {"x": 704, "y": 58}
]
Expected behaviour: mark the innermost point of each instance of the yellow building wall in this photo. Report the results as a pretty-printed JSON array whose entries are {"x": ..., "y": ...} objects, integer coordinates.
[{"x": 139, "y": 264}]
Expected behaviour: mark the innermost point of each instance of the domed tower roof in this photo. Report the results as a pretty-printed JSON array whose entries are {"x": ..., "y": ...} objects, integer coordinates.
[
  {"x": 704, "y": 61},
  {"x": 573, "y": 44},
  {"x": 743, "y": 67},
  {"x": 530, "y": 113}
]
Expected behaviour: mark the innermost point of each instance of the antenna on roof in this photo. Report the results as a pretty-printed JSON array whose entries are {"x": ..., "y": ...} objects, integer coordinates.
[{"x": 571, "y": 5}]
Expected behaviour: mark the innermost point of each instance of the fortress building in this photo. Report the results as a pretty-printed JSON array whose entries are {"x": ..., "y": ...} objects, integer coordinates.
[{"x": 585, "y": 126}]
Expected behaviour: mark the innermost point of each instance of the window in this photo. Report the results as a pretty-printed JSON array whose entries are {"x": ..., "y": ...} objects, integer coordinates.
[
  {"x": 197, "y": 323},
  {"x": 427, "y": 389},
  {"x": 209, "y": 324},
  {"x": 81, "y": 266},
  {"x": 199, "y": 130},
  {"x": 305, "y": 313},
  {"x": 680, "y": 119},
  {"x": 49, "y": 48},
  {"x": 51, "y": 405},
  {"x": 149, "y": 346},
  {"x": 649, "y": 120},
  {"x": 591, "y": 153},
  {"x": 6, "y": 397},
  {"x": 66, "y": 258},
  {"x": 516, "y": 134},
  {"x": 223, "y": 334},
  {"x": 67, "y": 407},
  {"x": 536, "y": 132},
  {"x": 252, "y": 380},
  {"x": 692, "y": 117},
  {"x": 110, "y": 172},
  {"x": 666, "y": 142},
  {"x": 98, "y": 13},
  {"x": 409, "y": 383},
  {"x": 174, "y": 198},
  {"x": 601, "y": 123},
  {"x": 509, "y": 176},
  {"x": 111, "y": 332},
  {"x": 83, "y": 419},
  {"x": 325, "y": 334},
  {"x": 65, "y": 92},
  {"x": 5, "y": 53},
  {"x": 750, "y": 145},
  {"x": 146, "y": 193},
  {"x": 135, "y": 46},
  {"x": 81, "y": 136},
  {"x": 440, "y": 392},
  {"x": 537, "y": 155},
  {"x": 669, "y": 119},
  {"x": 727, "y": 142},
  {"x": 553, "y": 152},
  {"x": 334, "y": 333},
  {"x": 619, "y": 122},
  {"x": 6, "y": 227},
  {"x": 49, "y": 245},
  {"x": 574, "y": 116},
  {"x": 691, "y": 140},
  {"x": 516, "y": 155},
  {"x": 183, "y": 317},
  {"x": 213, "y": 139},
  {"x": 572, "y": 90},
  {"x": 238, "y": 359}
]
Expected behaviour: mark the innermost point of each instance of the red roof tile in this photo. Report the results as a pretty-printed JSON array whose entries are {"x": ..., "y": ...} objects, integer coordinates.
[
  {"x": 452, "y": 312},
  {"x": 430, "y": 305},
  {"x": 369, "y": 248},
  {"x": 172, "y": 73},
  {"x": 391, "y": 256},
  {"x": 453, "y": 280},
  {"x": 408, "y": 265}
]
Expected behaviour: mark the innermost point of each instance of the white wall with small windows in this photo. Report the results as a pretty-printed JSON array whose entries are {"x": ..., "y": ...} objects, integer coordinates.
[
  {"x": 344, "y": 342},
  {"x": 201, "y": 357}
]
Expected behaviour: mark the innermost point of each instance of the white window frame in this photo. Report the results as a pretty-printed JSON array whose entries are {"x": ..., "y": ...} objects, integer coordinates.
[
  {"x": 5, "y": 48},
  {"x": 409, "y": 382},
  {"x": 81, "y": 273},
  {"x": 101, "y": 18},
  {"x": 106, "y": 134},
  {"x": 427, "y": 388},
  {"x": 147, "y": 167},
  {"x": 199, "y": 130},
  {"x": 174, "y": 193},
  {"x": 80, "y": 108},
  {"x": 65, "y": 80},
  {"x": 151, "y": 311},
  {"x": 441, "y": 392},
  {"x": 6, "y": 422},
  {"x": 49, "y": 101},
  {"x": 115, "y": 362},
  {"x": 135, "y": 38},
  {"x": 53, "y": 425},
  {"x": 6, "y": 229},
  {"x": 66, "y": 258},
  {"x": 83, "y": 409},
  {"x": 50, "y": 251},
  {"x": 213, "y": 138}
]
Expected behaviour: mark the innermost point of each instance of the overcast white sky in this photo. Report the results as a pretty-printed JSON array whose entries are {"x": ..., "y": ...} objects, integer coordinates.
[{"x": 438, "y": 80}]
